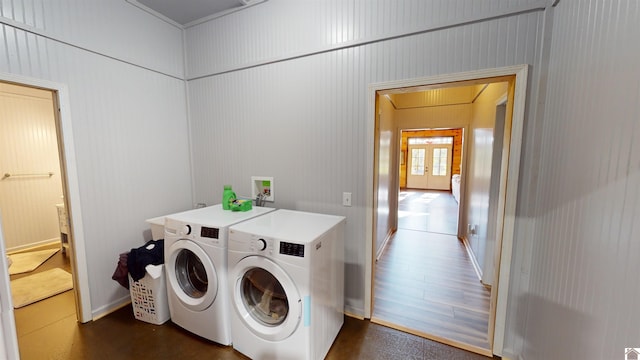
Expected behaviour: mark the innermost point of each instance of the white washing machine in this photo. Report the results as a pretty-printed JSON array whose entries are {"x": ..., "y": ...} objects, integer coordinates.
[
  {"x": 286, "y": 278},
  {"x": 195, "y": 256}
]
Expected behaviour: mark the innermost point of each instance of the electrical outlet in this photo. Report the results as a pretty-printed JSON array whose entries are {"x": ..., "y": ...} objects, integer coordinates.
[{"x": 346, "y": 199}]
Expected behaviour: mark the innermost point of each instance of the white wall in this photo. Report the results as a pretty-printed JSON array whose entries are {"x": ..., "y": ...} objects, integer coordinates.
[
  {"x": 451, "y": 116},
  {"x": 583, "y": 283},
  {"x": 128, "y": 112},
  {"x": 303, "y": 119},
  {"x": 479, "y": 176},
  {"x": 28, "y": 145},
  {"x": 477, "y": 200},
  {"x": 387, "y": 187}
]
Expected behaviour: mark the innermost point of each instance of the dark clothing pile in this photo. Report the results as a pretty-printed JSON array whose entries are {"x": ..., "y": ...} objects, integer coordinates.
[
  {"x": 135, "y": 261},
  {"x": 152, "y": 253},
  {"x": 120, "y": 274}
]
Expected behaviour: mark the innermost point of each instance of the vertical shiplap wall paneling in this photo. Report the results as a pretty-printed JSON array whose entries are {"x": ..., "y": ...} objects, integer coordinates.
[
  {"x": 263, "y": 33},
  {"x": 127, "y": 105},
  {"x": 478, "y": 176},
  {"x": 584, "y": 276},
  {"x": 312, "y": 94},
  {"x": 385, "y": 122},
  {"x": 90, "y": 25},
  {"x": 524, "y": 241}
]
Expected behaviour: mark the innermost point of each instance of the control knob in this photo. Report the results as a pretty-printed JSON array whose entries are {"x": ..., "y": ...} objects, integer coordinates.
[
  {"x": 262, "y": 244},
  {"x": 186, "y": 230}
]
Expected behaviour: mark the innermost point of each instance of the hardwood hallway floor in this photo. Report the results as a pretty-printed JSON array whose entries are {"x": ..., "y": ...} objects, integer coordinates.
[
  {"x": 425, "y": 283},
  {"x": 432, "y": 211}
]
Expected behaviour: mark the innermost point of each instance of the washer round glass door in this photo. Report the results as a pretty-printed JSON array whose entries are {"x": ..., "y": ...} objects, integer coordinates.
[
  {"x": 266, "y": 298},
  {"x": 192, "y": 275}
]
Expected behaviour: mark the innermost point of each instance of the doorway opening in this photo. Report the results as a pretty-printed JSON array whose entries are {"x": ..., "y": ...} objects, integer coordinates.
[
  {"x": 467, "y": 102},
  {"x": 48, "y": 154},
  {"x": 35, "y": 221}
]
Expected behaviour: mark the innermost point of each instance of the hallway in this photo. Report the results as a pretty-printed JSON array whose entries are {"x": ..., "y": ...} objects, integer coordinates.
[{"x": 425, "y": 283}]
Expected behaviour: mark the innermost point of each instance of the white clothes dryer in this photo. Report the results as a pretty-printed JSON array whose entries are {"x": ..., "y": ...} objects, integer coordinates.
[
  {"x": 196, "y": 267},
  {"x": 286, "y": 281}
]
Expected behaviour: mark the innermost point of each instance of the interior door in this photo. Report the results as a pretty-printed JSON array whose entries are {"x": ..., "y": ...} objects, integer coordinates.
[{"x": 429, "y": 166}]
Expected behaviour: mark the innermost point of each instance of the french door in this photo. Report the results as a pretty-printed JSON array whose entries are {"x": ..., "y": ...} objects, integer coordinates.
[{"x": 429, "y": 167}]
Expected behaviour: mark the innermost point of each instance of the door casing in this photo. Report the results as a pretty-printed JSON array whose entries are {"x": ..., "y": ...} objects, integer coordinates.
[
  {"x": 71, "y": 190},
  {"x": 517, "y": 77}
]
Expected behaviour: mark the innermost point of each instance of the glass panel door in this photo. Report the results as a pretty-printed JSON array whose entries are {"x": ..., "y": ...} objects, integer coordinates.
[
  {"x": 416, "y": 178},
  {"x": 417, "y": 161},
  {"x": 439, "y": 178}
]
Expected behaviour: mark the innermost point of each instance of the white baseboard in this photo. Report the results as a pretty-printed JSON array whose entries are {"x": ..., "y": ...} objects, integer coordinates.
[
  {"x": 472, "y": 256},
  {"x": 33, "y": 245},
  {"x": 111, "y": 307},
  {"x": 353, "y": 312},
  {"x": 507, "y": 355},
  {"x": 384, "y": 244},
  {"x": 351, "y": 315}
]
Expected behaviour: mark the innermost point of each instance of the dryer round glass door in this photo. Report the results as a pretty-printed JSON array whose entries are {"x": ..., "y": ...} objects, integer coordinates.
[
  {"x": 192, "y": 275},
  {"x": 265, "y": 298}
]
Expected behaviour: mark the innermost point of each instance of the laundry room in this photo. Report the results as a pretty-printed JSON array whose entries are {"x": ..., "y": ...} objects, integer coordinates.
[{"x": 153, "y": 110}]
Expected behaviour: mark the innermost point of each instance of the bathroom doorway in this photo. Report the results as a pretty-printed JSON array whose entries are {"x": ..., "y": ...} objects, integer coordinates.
[
  {"x": 35, "y": 221},
  {"x": 68, "y": 197}
]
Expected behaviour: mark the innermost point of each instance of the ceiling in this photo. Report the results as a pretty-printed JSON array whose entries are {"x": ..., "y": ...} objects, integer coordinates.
[{"x": 190, "y": 12}]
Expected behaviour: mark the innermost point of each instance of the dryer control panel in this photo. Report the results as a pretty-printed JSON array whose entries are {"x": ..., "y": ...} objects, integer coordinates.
[
  {"x": 261, "y": 244},
  {"x": 287, "y": 248}
]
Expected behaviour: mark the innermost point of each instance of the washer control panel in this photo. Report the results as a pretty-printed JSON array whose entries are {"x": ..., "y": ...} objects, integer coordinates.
[{"x": 208, "y": 232}]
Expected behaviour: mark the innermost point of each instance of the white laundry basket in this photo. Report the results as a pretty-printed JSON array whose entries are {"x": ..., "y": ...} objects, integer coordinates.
[{"x": 149, "y": 299}]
